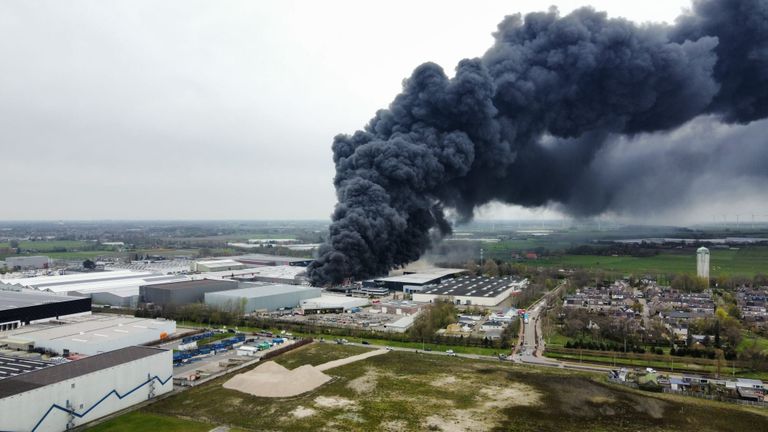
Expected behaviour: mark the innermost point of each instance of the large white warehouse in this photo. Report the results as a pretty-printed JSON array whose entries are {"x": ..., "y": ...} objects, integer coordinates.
[
  {"x": 261, "y": 297},
  {"x": 60, "y": 397},
  {"x": 90, "y": 335}
]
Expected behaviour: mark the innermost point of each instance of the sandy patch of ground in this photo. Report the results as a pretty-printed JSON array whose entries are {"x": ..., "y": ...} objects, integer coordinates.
[
  {"x": 393, "y": 426},
  {"x": 458, "y": 421},
  {"x": 365, "y": 383},
  {"x": 444, "y": 381},
  {"x": 333, "y": 402},
  {"x": 511, "y": 394},
  {"x": 273, "y": 380},
  {"x": 301, "y": 412},
  {"x": 341, "y": 362}
]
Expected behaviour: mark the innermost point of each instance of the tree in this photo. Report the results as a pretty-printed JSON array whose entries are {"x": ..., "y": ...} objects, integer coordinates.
[
  {"x": 88, "y": 264},
  {"x": 471, "y": 267},
  {"x": 490, "y": 268},
  {"x": 14, "y": 244}
]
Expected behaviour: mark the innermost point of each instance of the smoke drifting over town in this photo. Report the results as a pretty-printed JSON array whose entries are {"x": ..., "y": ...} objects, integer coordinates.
[{"x": 581, "y": 112}]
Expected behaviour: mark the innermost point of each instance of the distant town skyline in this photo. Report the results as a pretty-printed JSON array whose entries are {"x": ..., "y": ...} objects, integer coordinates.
[{"x": 201, "y": 110}]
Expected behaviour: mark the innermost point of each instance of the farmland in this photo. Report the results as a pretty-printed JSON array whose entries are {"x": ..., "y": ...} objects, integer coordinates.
[
  {"x": 747, "y": 262},
  {"x": 408, "y": 391}
]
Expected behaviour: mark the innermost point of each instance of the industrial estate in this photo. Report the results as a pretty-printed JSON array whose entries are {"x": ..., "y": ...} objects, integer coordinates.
[{"x": 83, "y": 341}]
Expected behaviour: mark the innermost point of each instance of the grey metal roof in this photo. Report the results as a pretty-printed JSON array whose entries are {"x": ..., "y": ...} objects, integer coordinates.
[
  {"x": 264, "y": 290},
  {"x": 51, "y": 375},
  {"x": 472, "y": 286},
  {"x": 181, "y": 285}
]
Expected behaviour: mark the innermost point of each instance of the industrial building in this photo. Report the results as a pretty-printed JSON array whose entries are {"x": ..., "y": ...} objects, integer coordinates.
[
  {"x": 401, "y": 325},
  {"x": 181, "y": 293},
  {"x": 473, "y": 290},
  {"x": 261, "y": 298},
  {"x": 216, "y": 265},
  {"x": 413, "y": 281},
  {"x": 271, "y": 260},
  {"x": 89, "y": 335},
  {"x": 19, "y": 308},
  {"x": 28, "y": 262},
  {"x": 285, "y": 274},
  {"x": 64, "y": 396},
  {"x": 327, "y": 303},
  {"x": 119, "y": 288}
]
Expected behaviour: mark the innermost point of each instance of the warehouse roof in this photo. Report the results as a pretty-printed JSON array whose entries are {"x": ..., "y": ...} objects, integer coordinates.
[
  {"x": 264, "y": 290},
  {"x": 51, "y": 375},
  {"x": 219, "y": 263},
  {"x": 21, "y": 299},
  {"x": 188, "y": 284},
  {"x": 55, "y": 283},
  {"x": 94, "y": 329},
  {"x": 269, "y": 258},
  {"x": 422, "y": 277},
  {"x": 474, "y": 286}
]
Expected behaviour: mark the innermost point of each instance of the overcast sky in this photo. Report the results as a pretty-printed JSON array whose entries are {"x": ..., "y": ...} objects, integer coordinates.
[{"x": 217, "y": 110}]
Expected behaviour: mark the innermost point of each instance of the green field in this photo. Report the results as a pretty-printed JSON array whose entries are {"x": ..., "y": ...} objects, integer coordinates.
[
  {"x": 402, "y": 391},
  {"x": 725, "y": 262},
  {"x": 143, "y": 421}
]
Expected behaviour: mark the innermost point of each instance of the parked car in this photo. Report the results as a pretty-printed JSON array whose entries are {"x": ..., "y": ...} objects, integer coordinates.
[
  {"x": 365, "y": 343},
  {"x": 450, "y": 353}
]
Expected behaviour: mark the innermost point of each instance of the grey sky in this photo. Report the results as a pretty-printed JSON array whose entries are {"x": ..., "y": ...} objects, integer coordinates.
[{"x": 220, "y": 110}]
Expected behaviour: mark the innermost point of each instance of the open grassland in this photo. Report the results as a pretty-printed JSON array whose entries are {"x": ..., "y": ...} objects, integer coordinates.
[
  {"x": 724, "y": 262},
  {"x": 143, "y": 421},
  {"x": 403, "y": 391}
]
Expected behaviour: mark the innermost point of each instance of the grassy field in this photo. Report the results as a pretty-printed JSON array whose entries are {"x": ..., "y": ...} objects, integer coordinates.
[
  {"x": 143, "y": 421},
  {"x": 403, "y": 391},
  {"x": 743, "y": 262},
  {"x": 319, "y": 353}
]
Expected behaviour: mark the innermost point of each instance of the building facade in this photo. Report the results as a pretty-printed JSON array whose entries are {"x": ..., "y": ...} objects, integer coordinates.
[{"x": 68, "y": 395}]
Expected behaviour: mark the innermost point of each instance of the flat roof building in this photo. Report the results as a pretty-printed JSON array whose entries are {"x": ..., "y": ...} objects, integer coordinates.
[
  {"x": 473, "y": 290},
  {"x": 216, "y": 265},
  {"x": 271, "y": 260},
  {"x": 91, "y": 335},
  {"x": 28, "y": 262},
  {"x": 413, "y": 281},
  {"x": 19, "y": 308},
  {"x": 67, "y": 395},
  {"x": 268, "y": 297},
  {"x": 181, "y": 293}
]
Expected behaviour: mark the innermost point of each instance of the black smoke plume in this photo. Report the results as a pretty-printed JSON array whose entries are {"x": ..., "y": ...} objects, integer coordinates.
[{"x": 525, "y": 123}]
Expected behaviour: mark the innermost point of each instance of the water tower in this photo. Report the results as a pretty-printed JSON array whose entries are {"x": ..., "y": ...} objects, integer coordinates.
[{"x": 702, "y": 263}]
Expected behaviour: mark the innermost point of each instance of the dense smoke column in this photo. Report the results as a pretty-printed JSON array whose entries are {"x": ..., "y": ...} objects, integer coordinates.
[{"x": 522, "y": 124}]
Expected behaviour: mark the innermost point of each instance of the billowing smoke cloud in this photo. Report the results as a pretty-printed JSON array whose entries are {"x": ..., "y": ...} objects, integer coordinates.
[{"x": 533, "y": 121}]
